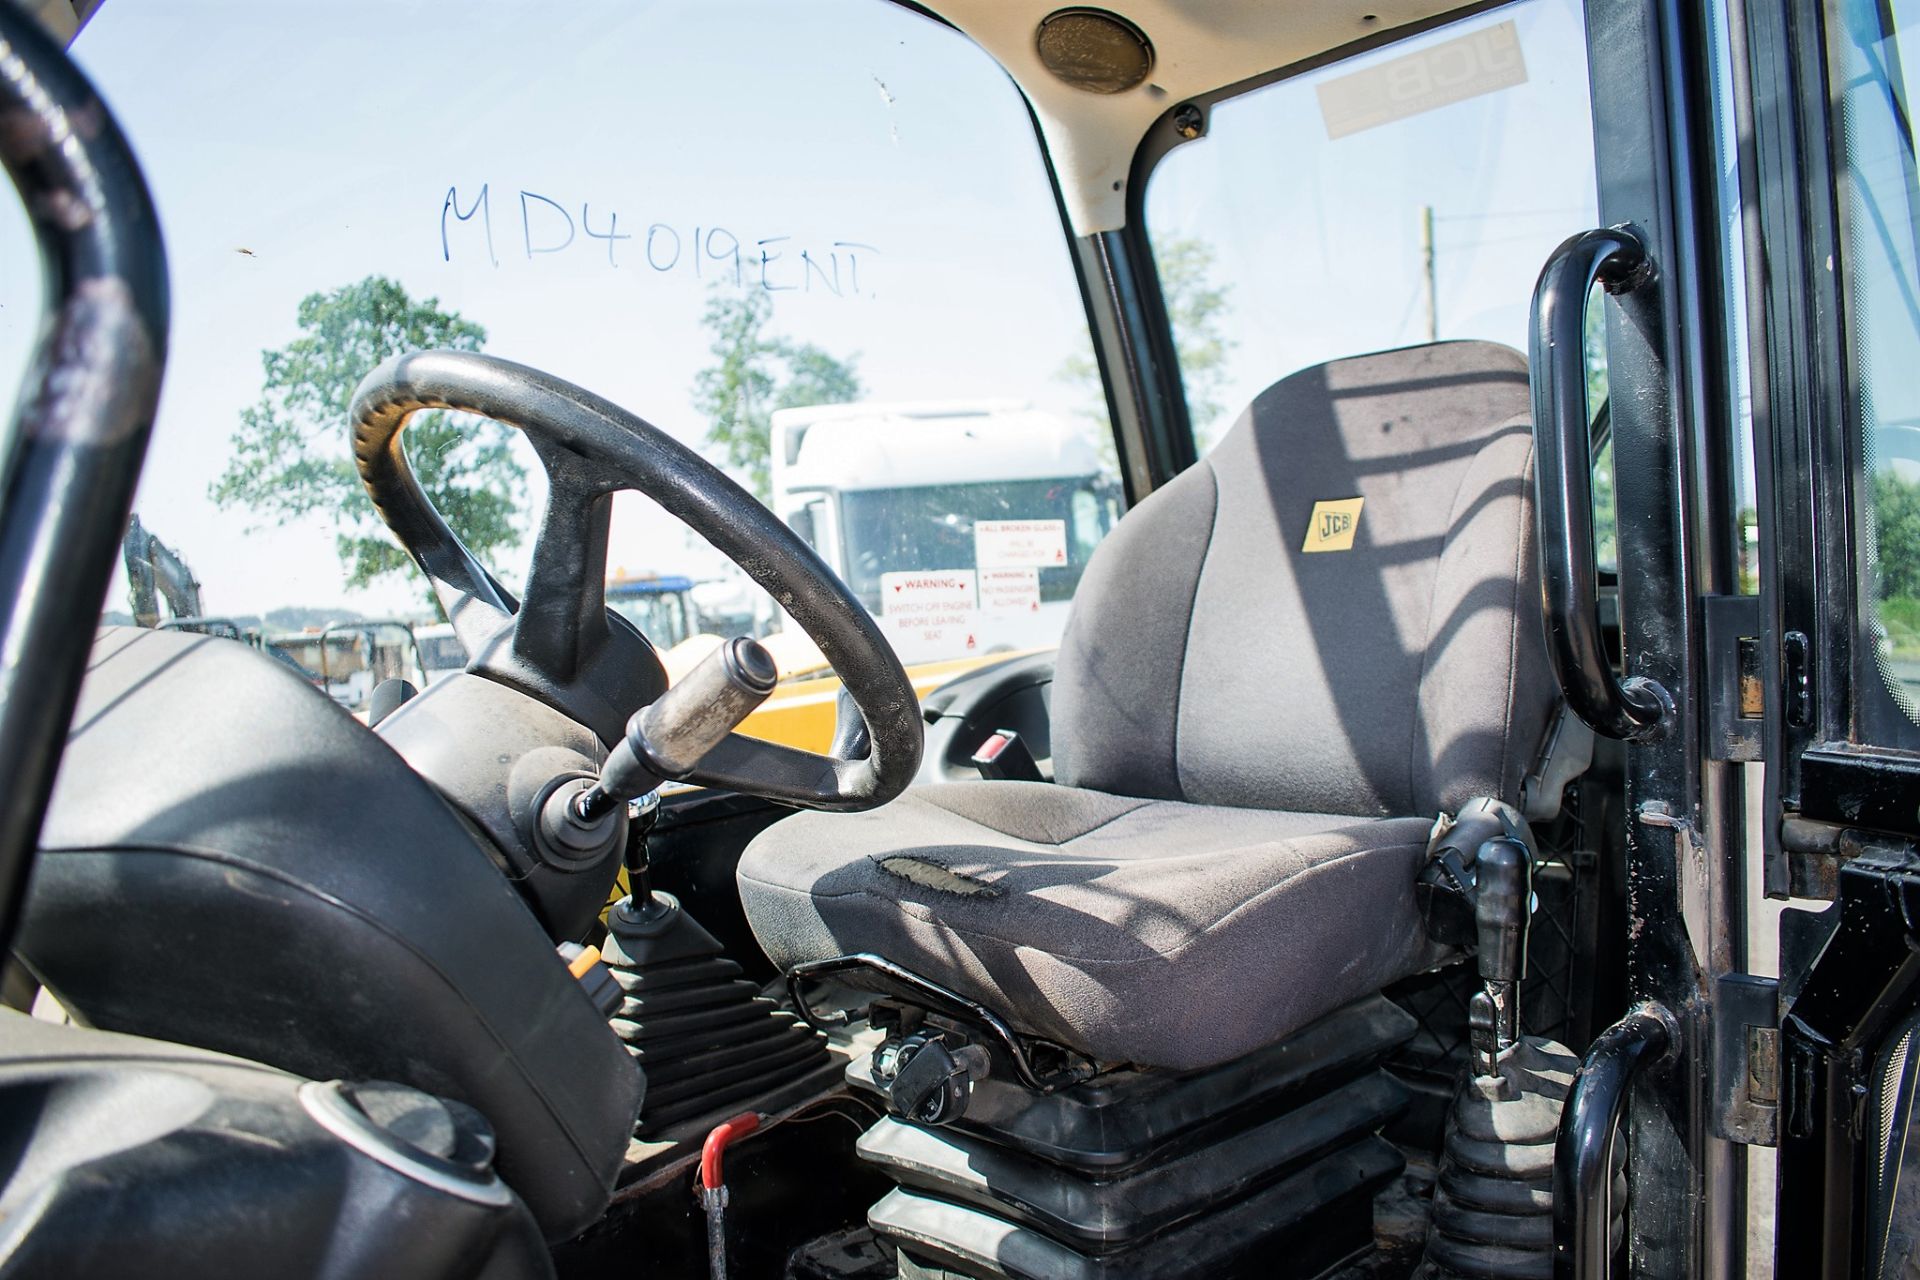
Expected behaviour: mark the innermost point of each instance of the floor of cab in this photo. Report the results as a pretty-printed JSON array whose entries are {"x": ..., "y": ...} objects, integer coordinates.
[
  {"x": 1399, "y": 1236},
  {"x": 803, "y": 1177}
]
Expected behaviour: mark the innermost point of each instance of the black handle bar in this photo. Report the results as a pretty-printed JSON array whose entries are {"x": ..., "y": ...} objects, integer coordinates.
[
  {"x": 81, "y": 425},
  {"x": 1637, "y": 708},
  {"x": 1583, "y": 1151}
]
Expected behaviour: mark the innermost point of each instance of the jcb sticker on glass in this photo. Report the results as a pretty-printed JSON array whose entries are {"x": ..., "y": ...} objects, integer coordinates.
[
  {"x": 1333, "y": 524},
  {"x": 1482, "y": 61}
]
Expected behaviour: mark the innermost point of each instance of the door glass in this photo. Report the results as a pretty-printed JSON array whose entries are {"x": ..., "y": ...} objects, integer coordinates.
[
  {"x": 817, "y": 243},
  {"x": 1879, "y": 233},
  {"x": 1332, "y": 214},
  {"x": 1606, "y": 522}
]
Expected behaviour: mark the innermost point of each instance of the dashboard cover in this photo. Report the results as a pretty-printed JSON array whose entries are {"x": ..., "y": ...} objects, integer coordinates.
[{"x": 234, "y": 862}]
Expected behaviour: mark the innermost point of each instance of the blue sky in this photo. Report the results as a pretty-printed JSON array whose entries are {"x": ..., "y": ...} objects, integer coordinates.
[{"x": 300, "y": 145}]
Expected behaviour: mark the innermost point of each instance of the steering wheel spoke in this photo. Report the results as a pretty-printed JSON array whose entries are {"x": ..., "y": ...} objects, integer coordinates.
[
  {"x": 757, "y": 767},
  {"x": 564, "y": 646},
  {"x": 562, "y": 622}
]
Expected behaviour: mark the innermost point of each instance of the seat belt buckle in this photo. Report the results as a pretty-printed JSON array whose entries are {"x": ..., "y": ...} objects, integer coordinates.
[{"x": 1004, "y": 758}]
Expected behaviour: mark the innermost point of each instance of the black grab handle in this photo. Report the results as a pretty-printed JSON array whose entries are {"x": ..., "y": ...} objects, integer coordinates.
[
  {"x": 1637, "y": 709},
  {"x": 81, "y": 425},
  {"x": 1583, "y": 1150}
]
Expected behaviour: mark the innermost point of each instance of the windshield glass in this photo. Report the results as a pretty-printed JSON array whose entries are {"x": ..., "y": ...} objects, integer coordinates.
[
  {"x": 660, "y": 615},
  {"x": 1043, "y": 525},
  {"x": 848, "y": 209},
  {"x": 1406, "y": 195},
  {"x": 441, "y": 652}
]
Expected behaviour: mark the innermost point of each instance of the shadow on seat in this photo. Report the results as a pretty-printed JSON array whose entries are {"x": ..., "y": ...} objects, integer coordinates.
[{"x": 1280, "y": 668}]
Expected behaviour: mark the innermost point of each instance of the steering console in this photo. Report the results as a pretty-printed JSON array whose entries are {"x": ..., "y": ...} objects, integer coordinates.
[
  {"x": 556, "y": 643},
  {"x": 561, "y": 648}
]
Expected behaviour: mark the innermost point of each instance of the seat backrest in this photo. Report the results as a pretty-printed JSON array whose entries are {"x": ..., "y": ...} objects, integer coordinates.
[{"x": 1223, "y": 649}]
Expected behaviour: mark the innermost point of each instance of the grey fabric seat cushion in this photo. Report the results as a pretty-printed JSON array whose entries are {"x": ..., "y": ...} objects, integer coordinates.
[{"x": 1154, "y": 932}]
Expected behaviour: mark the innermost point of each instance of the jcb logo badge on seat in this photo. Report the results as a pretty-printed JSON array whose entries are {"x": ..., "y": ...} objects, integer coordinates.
[{"x": 1333, "y": 524}]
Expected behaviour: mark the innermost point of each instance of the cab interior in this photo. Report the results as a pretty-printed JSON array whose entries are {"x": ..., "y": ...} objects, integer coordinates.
[{"x": 1255, "y": 925}]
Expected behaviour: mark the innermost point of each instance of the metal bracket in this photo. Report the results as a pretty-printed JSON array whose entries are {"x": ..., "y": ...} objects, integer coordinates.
[
  {"x": 1689, "y": 851},
  {"x": 883, "y": 977},
  {"x": 1735, "y": 710},
  {"x": 1744, "y": 1106}
]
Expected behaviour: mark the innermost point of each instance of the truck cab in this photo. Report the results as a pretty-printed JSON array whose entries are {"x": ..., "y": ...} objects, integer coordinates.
[
  {"x": 661, "y": 605},
  {"x": 963, "y": 525}
]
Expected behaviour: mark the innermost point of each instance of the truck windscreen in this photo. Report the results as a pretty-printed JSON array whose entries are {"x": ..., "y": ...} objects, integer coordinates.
[{"x": 933, "y": 528}]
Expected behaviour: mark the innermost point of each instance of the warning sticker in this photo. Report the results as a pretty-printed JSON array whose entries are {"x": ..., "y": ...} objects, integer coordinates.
[
  {"x": 1009, "y": 591},
  {"x": 931, "y": 594},
  {"x": 930, "y": 614},
  {"x": 1018, "y": 544}
]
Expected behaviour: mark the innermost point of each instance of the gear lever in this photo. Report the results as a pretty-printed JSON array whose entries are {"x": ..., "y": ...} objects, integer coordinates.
[
  {"x": 1504, "y": 901},
  {"x": 665, "y": 739},
  {"x": 640, "y": 906}
]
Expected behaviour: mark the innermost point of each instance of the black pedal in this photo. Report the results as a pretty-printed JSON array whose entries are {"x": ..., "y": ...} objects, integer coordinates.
[{"x": 1004, "y": 758}]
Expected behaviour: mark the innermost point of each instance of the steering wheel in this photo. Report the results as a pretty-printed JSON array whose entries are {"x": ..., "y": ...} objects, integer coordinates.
[{"x": 560, "y": 644}]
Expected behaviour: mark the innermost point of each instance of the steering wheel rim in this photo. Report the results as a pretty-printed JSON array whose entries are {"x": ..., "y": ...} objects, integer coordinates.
[{"x": 561, "y": 644}]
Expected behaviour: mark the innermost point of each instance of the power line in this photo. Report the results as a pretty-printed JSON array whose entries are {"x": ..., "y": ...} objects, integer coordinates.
[
  {"x": 1486, "y": 240},
  {"x": 1513, "y": 213},
  {"x": 1433, "y": 288}
]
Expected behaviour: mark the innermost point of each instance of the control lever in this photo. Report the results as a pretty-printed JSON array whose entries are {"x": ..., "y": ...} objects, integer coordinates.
[
  {"x": 925, "y": 1080},
  {"x": 1503, "y": 902},
  {"x": 668, "y": 737},
  {"x": 1476, "y": 890},
  {"x": 640, "y": 909}
]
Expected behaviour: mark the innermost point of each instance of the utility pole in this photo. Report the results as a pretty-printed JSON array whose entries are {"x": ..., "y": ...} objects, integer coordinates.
[{"x": 1426, "y": 258}]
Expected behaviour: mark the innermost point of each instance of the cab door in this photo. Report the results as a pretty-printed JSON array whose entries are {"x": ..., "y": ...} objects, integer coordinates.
[{"x": 1837, "y": 404}]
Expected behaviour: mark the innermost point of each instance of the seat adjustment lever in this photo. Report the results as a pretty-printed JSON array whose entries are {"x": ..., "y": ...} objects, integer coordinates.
[
  {"x": 927, "y": 1081},
  {"x": 1476, "y": 891}
]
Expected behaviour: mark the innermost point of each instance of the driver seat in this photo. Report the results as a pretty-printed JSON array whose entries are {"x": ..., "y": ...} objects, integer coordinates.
[{"x": 1258, "y": 712}]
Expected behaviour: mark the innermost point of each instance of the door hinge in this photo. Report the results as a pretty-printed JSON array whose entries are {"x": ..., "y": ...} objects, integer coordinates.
[
  {"x": 1745, "y": 1102},
  {"x": 1796, "y": 672}
]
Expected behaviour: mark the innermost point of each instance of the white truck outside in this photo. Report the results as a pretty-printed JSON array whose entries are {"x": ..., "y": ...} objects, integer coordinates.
[{"x": 964, "y": 526}]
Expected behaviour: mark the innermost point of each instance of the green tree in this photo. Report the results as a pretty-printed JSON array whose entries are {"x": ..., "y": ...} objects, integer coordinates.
[
  {"x": 1896, "y": 523},
  {"x": 290, "y": 457},
  {"x": 753, "y": 374},
  {"x": 1606, "y": 540},
  {"x": 1197, "y": 309}
]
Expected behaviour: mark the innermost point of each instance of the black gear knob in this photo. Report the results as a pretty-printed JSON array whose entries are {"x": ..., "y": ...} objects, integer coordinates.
[{"x": 1505, "y": 882}]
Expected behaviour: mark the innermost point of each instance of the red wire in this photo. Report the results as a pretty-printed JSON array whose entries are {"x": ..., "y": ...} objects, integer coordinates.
[{"x": 716, "y": 1145}]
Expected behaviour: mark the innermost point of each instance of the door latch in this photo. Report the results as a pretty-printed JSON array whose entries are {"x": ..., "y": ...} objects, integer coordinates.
[{"x": 1745, "y": 1102}]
